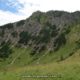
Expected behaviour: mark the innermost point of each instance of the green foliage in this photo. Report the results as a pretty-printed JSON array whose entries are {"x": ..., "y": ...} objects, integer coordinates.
[
  {"x": 36, "y": 16},
  {"x": 61, "y": 58},
  {"x": 52, "y": 29},
  {"x": 20, "y": 22},
  {"x": 24, "y": 37},
  {"x": 78, "y": 44},
  {"x": 8, "y": 26},
  {"x": 66, "y": 29},
  {"x": 60, "y": 41},
  {"x": 58, "y": 14},
  {"x": 5, "y": 50},
  {"x": 47, "y": 32},
  {"x": 55, "y": 13},
  {"x": 43, "y": 19},
  {"x": 2, "y": 33},
  {"x": 44, "y": 35}
]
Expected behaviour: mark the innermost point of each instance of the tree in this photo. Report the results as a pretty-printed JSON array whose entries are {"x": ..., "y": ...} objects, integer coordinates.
[
  {"x": 5, "y": 50},
  {"x": 24, "y": 37}
]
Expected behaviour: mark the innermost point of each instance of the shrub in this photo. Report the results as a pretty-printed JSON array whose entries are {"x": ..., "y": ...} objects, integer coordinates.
[
  {"x": 9, "y": 26},
  {"x": 2, "y": 33},
  {"x": 24, "y": 37},
  {"x": 61, "y": 58},
  {"x": 78, "y": 44},
  {"x": 5, "y": 50},
  {"x": 61, "y": 40},
  {"x": 20, "y": 22}
]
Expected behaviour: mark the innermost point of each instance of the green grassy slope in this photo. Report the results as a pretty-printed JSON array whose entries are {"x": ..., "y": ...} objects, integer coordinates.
[
  {"x": 63, "y": 64},
  {"x": 68, "y": 69}
]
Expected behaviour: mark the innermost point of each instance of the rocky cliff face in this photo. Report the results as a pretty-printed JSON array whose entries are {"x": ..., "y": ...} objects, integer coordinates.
[{"x": 41, "y": 31}]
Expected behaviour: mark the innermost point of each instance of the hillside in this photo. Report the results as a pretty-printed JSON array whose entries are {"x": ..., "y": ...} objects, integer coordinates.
[{"x": 44, "y": 40}]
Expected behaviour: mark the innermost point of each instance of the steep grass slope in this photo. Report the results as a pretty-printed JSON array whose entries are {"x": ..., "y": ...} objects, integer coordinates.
[{"x": 68, "y": 69}]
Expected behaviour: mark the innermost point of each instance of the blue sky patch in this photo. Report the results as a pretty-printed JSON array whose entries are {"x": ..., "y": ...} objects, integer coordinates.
[{"x": 10, "y": 5}]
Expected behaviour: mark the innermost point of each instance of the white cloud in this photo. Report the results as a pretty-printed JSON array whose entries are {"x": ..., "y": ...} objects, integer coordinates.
[
  {"x": 8, "y": 17},
  {"x": 43, "y": 5}
]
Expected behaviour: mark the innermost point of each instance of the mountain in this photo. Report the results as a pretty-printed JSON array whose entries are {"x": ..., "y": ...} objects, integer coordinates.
[
  {"x": 40, "y": 32},
  {"x": 45, "y": 44}
]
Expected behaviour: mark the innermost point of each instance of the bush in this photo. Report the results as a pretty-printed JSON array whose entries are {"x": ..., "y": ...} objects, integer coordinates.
[
  {"x": 66, "y": 29},
  {"x": 24, "y": 37},
  {"x": 20, "y": 22},
  {"x": 5, "y": 50},
  {"x": 61, "y": 40},
  {"x": 61, "y": 58},
  {"x": 2, "y": 33},
  {"x": 78, "y": 44},
  {"x": 47, "y": 32},
  {"x": 9, "y": 26}
]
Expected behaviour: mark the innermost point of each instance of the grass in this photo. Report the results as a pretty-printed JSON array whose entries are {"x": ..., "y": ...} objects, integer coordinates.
[{"x": 68, "y": 69}]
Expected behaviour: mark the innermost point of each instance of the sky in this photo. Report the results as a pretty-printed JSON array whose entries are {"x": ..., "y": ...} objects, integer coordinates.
[{"x": 15, "y": 10}]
